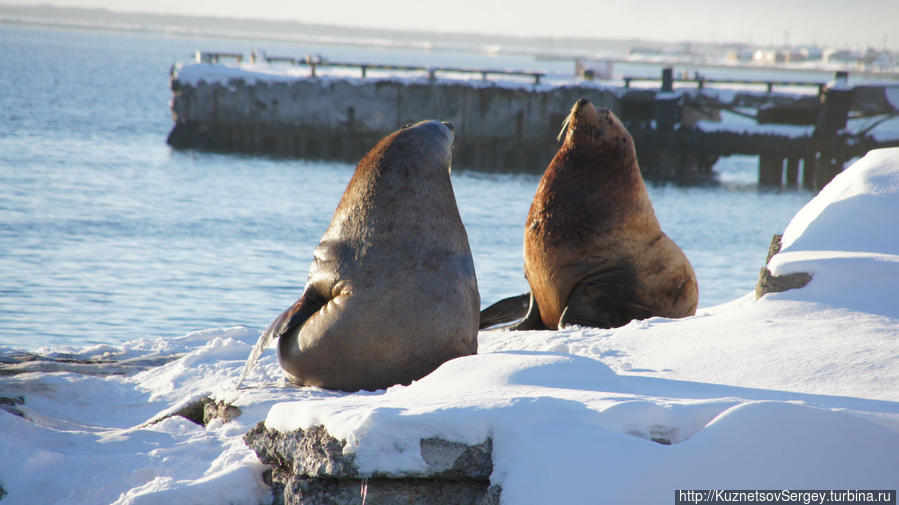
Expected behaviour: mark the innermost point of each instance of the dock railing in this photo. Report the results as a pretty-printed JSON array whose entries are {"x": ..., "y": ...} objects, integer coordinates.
[
  {"x": 701, "y": 82},
  {"x": 210, "y": 57},
  {"x": 315, "y": 62},
  {"x": 667, "y": 81}
]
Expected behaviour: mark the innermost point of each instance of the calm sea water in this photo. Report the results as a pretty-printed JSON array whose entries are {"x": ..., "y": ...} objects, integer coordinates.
[{"x": 106, "y": 234}]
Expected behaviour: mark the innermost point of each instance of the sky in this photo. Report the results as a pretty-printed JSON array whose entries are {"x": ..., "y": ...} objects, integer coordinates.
[{"x": 835, "y": 23}]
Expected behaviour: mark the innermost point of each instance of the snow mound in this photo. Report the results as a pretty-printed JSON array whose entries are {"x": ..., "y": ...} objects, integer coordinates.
[
  {"x": 855, "y": 212},
  {"x": 845, "y": 238},
  {"x": 796, "y": 390}
]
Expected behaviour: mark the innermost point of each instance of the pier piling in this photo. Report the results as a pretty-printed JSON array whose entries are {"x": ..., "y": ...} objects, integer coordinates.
[
  {"x": 667, "y": 80},
  {"x": 792, "y": 171},
  {"x": 770, "y": 169},
  {"x": 808, "y": 171}
]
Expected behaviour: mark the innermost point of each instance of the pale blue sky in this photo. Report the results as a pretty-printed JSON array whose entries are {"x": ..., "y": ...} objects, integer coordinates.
[{"x": 844, "y": 23}]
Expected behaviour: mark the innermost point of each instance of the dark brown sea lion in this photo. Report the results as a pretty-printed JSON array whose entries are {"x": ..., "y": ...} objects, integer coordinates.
[
  {"x": 594, "y": 253},
  {"x": 392, "y": 292}
]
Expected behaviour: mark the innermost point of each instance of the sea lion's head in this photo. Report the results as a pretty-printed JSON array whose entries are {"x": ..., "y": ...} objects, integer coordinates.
[
  {"x": 586, "y": 126},
  {"x": 430, "y": 141}
]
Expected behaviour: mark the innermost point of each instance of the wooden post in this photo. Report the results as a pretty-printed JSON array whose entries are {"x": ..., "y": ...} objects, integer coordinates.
[
  {"x": 808, "y": 171},
  {"x": 770, "y": 170},
  {"x": 828, "y": 168},
  {"x": 834, "y": 111},
  {"x": 770, "y": 86},
  {"x": 627, "y": 82},
  {"x": 363, "y": 71},
  {"x": 792, "y": 171},
  {"x": 667, "y": 79}
]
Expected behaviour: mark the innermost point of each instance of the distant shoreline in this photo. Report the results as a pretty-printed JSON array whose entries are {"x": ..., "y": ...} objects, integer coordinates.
[{"x": 612, "y": 50}]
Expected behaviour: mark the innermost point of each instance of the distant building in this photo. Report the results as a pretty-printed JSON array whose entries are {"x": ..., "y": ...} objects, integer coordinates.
[
  {"x": 740, "y": 55},
  {"x": 811, "y": 53},
  {"x": 841, "y": 56},
  {"x": 878, "y": 59},
  {"x": 783, "y": 55},
  {"x": 764, "y": 56}
]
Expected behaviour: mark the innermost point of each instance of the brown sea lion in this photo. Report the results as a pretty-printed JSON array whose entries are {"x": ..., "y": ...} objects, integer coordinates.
[
  {"x": 594, "y": 253},
  {"x": 391, "y": 293}
]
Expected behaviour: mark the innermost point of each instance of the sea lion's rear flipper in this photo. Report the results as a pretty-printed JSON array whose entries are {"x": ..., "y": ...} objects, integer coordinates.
[
  {"x": 532, "y": 321},
  {"x": 289, "y": 320},
  {"x": 506, "y": 310},
  {"x": 605, "y": 299}
]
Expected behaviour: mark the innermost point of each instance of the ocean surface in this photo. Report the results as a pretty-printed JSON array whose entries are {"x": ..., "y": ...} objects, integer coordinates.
[{"x": 107, "y": 234}]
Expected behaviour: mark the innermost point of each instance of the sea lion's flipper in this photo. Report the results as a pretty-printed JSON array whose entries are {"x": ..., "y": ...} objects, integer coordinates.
[
  {"x": 505, "y": 311},
  {"x": 531, "y": 321},
  {"x": 290, "y": 319},
  {"x": 605, "y": 299}
]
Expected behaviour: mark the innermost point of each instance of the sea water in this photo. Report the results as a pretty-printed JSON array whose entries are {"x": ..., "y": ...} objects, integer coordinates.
[{"x": 107, "y": 234}]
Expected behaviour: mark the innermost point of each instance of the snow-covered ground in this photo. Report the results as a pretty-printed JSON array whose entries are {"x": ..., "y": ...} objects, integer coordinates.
[{"x": 796, "y": 390}]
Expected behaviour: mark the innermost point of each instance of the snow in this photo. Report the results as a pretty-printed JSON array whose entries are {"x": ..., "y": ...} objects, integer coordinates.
[
  {"x": 892, "y": 93},
  {"x": 796, "y": 390},
  {"x": 736, "y": 123},
  {"x": 252, "y": 72},
  {"x": 192, "y": 74}
]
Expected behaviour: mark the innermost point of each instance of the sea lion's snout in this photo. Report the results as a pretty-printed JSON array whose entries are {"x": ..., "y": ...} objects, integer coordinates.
[
  {"x": 582, "y": 121},
  {"x": 449, "y": 125},
  {"x": 585, "y": 112}
]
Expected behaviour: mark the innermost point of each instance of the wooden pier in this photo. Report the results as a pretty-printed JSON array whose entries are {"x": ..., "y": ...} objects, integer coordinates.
[{"x": 512, "y": 127}]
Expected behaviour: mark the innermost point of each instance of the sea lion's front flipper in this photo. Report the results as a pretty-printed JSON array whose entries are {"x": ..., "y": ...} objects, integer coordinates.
[
  {"x": 505, "y": 311},
  {"x": 532, "y": 320},
  {"x": 289, "y": 320},
  {"x": 605, "y": 299}
]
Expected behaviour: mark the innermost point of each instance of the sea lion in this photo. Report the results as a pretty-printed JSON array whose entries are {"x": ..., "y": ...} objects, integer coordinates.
[
  {"x": 391, "y": 292},
  {"x": 594, "y": 253}
]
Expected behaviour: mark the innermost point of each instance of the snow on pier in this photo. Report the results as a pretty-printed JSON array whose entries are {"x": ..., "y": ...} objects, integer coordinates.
[{"x": 507, "y": 120}]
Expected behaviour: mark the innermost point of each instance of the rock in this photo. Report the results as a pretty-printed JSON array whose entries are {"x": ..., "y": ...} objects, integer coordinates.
[
  {"x": 769, "y": 283},
  {"x": 311, "y": 453},
  {"x": 773, "y": 247},
  {"x": 19, "y": 362},
  {"x": 454, "y": 460},
  {"x": 310, "y": 467},
  {"x": 218, "y": 410},
  {"x": 303, "y": 490},
  {"x": 205, "y": 410},
  {"x": 9, "y": 404}
]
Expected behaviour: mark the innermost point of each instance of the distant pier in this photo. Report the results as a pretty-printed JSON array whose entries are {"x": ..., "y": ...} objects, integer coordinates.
[{"x": 508, "y": 120}]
